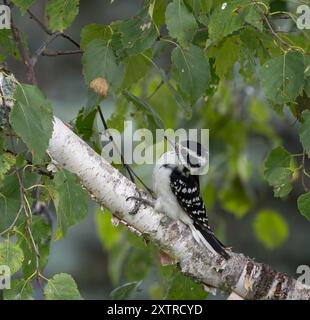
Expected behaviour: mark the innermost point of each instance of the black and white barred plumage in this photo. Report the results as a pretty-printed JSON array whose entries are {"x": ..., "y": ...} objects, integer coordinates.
[{"x": 178, "y": 195}]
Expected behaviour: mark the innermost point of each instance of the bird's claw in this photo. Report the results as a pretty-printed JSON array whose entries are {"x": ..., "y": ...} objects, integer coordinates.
[{"x": 138, "y": 202}]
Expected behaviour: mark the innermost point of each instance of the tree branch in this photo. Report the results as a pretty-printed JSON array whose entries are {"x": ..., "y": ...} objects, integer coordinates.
[
  {"x": 31, "y": 77},
  {"x": 240, "y": 274}
]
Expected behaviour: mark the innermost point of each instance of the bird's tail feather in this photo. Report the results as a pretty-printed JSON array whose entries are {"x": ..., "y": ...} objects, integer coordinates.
[{"x": 211, "y": 242}]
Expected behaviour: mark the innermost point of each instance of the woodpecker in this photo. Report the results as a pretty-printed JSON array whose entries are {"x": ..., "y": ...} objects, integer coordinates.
[{"x": 176, "y": 185}]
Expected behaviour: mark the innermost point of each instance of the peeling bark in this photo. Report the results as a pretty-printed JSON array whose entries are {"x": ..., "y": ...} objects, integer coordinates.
[{"x": 240, "y": 274}]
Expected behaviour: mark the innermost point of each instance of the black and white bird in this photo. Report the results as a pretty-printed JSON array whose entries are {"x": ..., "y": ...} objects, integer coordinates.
[{"x": 176, "y": 185}]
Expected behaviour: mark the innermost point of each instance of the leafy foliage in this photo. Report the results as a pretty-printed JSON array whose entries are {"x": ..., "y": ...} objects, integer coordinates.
[
  {"x": 62, "y": 287},
  {"x": 283, "y": 77},
  {"x": 20, "y": 290},
  {"x": 11, "y": 255},
  {"x": 138, "y": 34},
  {"x": 125, "y": 291},
  {"x": 66, "y": 189},
  {"x": 182, "y": 287},
  {"x": 233, "y": 15},
  {"x": 8, "y": 46},
  {"x": 270, "y": 228},
  {"x": 107, "y": 68},
  {"x": 61, "y": 13},
  {"x": 278, "y": 172},
  {"x": 6, "y": 162},
  {"x": 31, "y": 118},
  {"x": 304, "y": 132},
  {"x": 192, "y": 71},
  {"x": 153, "y": 117},
  {"x": 42, "y": 235},
  {"x": 23, "y": 4},
  {"x": 9, "y": 201},
  {"x": 303, "y": 203},
  {"x": 180, "y": 22}
]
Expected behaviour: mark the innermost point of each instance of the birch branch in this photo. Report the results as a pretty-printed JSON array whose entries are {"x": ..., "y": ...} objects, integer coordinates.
[{"x": 240, "y": 274}]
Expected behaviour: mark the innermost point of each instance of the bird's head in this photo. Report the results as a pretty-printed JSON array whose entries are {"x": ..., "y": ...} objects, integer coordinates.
[{"x": 191, "y": 154}]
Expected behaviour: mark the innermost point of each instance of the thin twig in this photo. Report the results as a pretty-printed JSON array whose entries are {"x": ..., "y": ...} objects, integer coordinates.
[
  {"x": 273, "y": 32},
  {"x": 43, "y": 47},
  {"x": 106, "y": 128},
  {"x": 39, "y": 22},
  {"x": 155, "y": 91},
  {"x": 12, "y": 225},
  {"x": 24, "y": 53},
  {"x": 68, "y": 37},
  {"x": 47, "y": 53},
  {"x": 24, "y": 208},
  {"x": 40, "y": 170},
  {"x": 131, "y": 173},
  {"x": 50, "y": 32}
]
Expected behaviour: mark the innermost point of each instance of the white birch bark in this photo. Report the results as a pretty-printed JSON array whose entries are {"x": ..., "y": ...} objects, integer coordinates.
[{"x": 240, "y": 274}]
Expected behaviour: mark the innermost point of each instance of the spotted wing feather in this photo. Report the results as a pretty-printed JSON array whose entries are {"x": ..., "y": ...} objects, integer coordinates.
[{"x": 186, "y": 189}]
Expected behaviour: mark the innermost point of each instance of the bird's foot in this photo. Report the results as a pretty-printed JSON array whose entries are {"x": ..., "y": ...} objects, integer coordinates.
[{"x": 138, "y": 202}]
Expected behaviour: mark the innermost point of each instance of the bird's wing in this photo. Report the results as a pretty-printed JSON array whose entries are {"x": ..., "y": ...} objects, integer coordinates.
[{"x": 187, "y": 191}]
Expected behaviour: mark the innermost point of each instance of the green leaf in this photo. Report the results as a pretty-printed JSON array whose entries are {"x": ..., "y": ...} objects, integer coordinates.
[
  {"x": 153, "y": 117},
  {"x": 231, "y": 16},
  {"x": 133, "y": 73},
  {"x": 69, "y": 210},
  {"x": 11, "y": 255},
  {"x": 183, "y": 288},
  {"x": 107, "y": 33},
  {"x": 282, "y": 77},
  {"x": 235, "y": 199},
  {"x": 191, "y": 70},
  {"x": 304, "y": 132},
  {"x": 157, "y": 11},
  {"x": 84, "y": 123},
  {"x": 23, "y": 4},
  {"x": 9, "y": 201},
  {"x": 278, "y": 171},
  {"x": 32, "y": 119},
  {"x": 108, "y": 234},
  {"x": 303, "y": 203},
  {"x": 62, "y": 287},
  {"x": 100, "y": 61},
  {"x": 224, "y": 62},
  {"x": 116, "y": 262},
  {"x": 7, "y": 160},
  {"x": 20, "y": 290},
  {"x": 95, "y": 31},
  {"x": 42, "y": 234},
  {"x": 7, "y": 44},
  {"x": 270, "y": 228},
  {"x": 116, "y": 121},
  {"x": 61, "y": 13},
  {"x": 138, "y": 264},
  {"x": 138, "y": 33},
  {"x": 181, "y": 24},
  {"x": 200, "y": 7},
  {"x": 125, "y": 291},
  {"x": 307, "y": 86}
]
